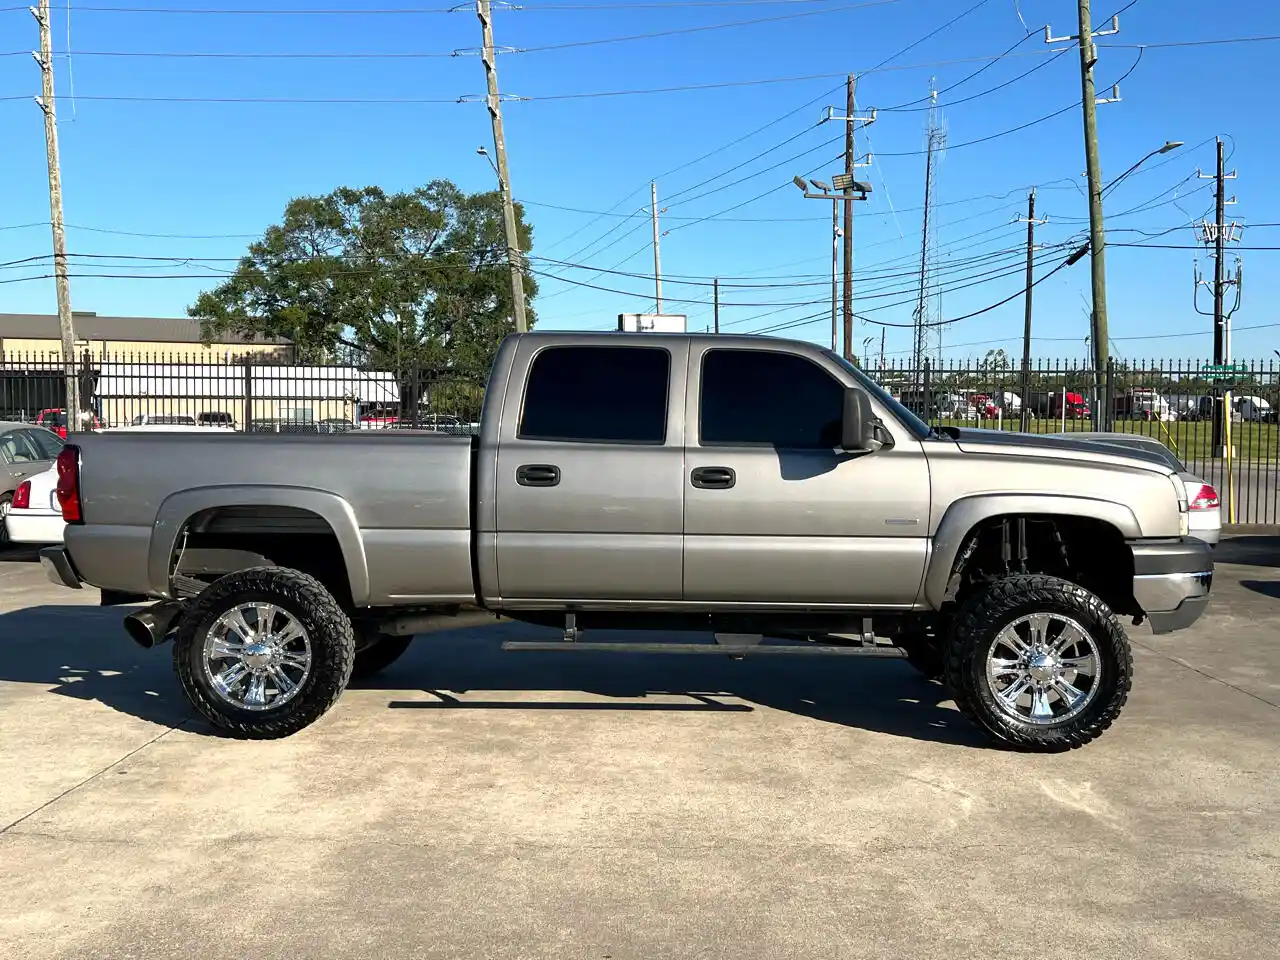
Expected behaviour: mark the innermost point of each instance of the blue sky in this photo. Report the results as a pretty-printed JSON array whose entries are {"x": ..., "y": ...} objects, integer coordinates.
[{"x": 218, "y": 173}]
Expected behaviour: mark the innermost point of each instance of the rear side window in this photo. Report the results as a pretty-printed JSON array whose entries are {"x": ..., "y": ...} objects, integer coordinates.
[
  {"x": 597, "y": 395},
  {"x": 49, "y": 444},
  {"x": 761, "y": 397}
]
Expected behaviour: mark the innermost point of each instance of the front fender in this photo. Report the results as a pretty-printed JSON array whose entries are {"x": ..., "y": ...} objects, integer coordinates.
[
  {"x": 964, "y": 514},
  {"x": 177, "y": 509}
]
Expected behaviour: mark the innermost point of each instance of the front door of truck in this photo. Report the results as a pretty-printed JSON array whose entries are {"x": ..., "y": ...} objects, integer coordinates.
[
  {"x": 775, "y": 514},
  {"x": 589, "y": 476}
]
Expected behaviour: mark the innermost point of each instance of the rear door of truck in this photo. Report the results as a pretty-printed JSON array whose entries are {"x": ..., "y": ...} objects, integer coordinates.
[{"x": 589, "y": 494}]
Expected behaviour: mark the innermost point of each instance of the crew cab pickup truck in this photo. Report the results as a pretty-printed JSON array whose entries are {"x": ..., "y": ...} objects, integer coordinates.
[{"x": 762, "y": 490}]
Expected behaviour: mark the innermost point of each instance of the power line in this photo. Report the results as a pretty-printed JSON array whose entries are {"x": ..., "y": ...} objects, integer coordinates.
[{"x": 573, "y": 44}]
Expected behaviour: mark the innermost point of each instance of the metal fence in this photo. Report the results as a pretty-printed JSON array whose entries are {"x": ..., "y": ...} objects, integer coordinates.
[
  {"x": 256, "y": 397},
  {"x": 1180, "y": 403}
]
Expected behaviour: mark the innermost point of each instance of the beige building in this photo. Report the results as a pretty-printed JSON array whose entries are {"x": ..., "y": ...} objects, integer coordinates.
[{"x": 37, "y": 338}]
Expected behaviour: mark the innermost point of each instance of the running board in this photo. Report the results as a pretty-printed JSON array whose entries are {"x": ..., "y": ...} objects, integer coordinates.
[{"x": 705, "y": 649}]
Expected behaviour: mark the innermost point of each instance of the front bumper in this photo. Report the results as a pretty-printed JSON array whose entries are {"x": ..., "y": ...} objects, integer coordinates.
[
  {"x": 58, "y": 567},
  {"x": 1171, "y": 581}
]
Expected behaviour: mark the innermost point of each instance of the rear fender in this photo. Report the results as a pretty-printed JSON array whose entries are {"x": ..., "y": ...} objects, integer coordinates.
[
  {"x": 179, "y": 508},
  {"x": 965, "y": 514}
]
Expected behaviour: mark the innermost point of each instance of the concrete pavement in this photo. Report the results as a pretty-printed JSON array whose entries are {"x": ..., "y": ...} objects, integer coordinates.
[{"x": 470, "y": 803}]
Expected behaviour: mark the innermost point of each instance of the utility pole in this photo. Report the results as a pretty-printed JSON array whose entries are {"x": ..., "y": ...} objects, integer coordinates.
[
  {"x": 657, "y": 256},
  {"x": 844, "y": 183},
  {"x": 715, "y": 293},
  {"x": 61, "y": 283},
  {"x": 1219, "y": 233},
  {"x": 1093, "y": 168},
  {"x": 850, "y": 160},
  {"x": 836, "y": 233},
  {"x": 515, "y": 258},
  {"x": 1031, "y": 222}
]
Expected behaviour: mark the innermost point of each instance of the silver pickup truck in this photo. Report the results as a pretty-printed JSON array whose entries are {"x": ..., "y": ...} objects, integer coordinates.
[{"x": 762, "y": 490}]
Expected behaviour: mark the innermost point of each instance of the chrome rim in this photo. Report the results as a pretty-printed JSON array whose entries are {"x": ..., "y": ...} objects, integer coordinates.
[
  {"x": 1043, "y": 668},
  {"x": 257, "y": 656}
]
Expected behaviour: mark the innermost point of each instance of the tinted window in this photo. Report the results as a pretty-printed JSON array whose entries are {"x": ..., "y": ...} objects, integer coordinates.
[
  {"x": 49, "y": 444},
  {"x": 600, "y": 394},
  {"x": 754, "y": 396}
]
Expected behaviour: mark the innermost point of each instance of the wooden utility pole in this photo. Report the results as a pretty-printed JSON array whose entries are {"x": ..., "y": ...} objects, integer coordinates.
[
  {"x": 61, "y": 283},
  {"x": 849, "y": 160},
  {"x": 514, "y": 256},
  {"x": 715, "y": 294},
  {"x": 1026, "y": 325},
  {"x": 1097, "y": 235},
  {"x": 657, "y": 258}
]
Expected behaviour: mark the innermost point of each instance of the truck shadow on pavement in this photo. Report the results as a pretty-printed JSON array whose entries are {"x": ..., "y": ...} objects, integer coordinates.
[
  {"x": 82, "y": 652},
  {"x": 1251, "y": 551}
]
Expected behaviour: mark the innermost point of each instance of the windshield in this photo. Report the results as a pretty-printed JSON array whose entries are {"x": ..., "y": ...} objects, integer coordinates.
[{"x": 913, "y": 422}]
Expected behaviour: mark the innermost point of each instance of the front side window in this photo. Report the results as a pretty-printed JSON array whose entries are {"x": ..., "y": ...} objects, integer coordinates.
[
  {"x": 597, "y": 395},
  {"x": 764, "y": 397}
]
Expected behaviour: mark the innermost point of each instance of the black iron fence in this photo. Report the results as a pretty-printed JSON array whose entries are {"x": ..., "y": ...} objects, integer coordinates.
[
  {"x": 1220, "y": 421},
  {"x": 257, "y": 397}
]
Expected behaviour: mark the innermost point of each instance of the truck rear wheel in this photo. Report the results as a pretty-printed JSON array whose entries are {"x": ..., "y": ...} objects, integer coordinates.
[
  {"x": 1039, "y": 663},
  {"x": 264, "y": 652}
]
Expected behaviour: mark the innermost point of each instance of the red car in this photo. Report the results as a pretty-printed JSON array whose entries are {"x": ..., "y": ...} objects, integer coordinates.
[{"x": 56, "y": 420}]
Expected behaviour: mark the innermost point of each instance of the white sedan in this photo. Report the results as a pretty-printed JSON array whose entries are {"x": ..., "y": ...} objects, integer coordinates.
[{"x": 35, "y": 515}]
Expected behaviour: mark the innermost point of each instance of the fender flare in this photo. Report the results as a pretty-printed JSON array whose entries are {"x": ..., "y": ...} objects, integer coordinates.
[
  {"x": 965, "y": 514},
  {"x": 177, "y": 509}
]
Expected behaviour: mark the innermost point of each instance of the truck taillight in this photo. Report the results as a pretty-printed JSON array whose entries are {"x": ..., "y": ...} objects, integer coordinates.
[
  {"x": 1204, "y": 498},
  {"x": 69, "y": 484},
  {"x": 22, "y": 496}
]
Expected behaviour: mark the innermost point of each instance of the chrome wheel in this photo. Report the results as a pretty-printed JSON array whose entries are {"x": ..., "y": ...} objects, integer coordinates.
[
  {"x": 257, "y": 656},
  {"x": 1043, "y": 668}
]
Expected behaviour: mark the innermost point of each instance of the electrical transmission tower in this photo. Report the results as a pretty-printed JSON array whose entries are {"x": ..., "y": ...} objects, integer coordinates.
[{"x": 927, "y": 344}]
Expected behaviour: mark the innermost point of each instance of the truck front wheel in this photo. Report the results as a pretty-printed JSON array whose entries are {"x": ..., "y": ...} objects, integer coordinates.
[
  {"x": 1039, "y": 663},
  {"x": 264, "y": 652}
]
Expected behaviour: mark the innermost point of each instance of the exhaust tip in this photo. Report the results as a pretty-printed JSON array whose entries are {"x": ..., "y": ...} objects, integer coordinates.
[
  {"x": 149, "y": 628},
  {"x": 138, "y": 631}
]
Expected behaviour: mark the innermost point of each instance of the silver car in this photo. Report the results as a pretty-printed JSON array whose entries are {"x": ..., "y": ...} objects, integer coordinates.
[
  {"x": 25, "y": 451},
  {"x": 1202, "y": 498}
]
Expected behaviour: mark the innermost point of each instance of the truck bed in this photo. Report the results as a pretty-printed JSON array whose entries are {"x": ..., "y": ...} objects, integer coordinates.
[{"x": 398, "y": 503}]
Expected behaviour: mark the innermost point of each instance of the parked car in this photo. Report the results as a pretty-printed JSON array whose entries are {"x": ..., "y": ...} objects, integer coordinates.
[
  {"x": 1204, "y": 505},
  {"x": 25, "y": 451},
  {"x": 218, "y": 419},
  {"x": 645, "y": 482},
  {"x": 55, "y": 420},
  {"x": 35, "y": 516},
  {"x": 163, "y": 419}
]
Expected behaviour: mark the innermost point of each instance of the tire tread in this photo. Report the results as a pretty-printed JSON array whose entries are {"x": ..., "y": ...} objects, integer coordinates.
[
  {"x": 332, "y": 649},
  {"x": 972, "y": 625}
]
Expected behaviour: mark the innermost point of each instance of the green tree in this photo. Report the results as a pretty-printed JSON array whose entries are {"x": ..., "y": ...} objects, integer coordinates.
[{"x": 408, "y": 281}]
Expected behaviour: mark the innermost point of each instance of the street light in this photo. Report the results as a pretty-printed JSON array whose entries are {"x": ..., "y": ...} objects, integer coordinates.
[
  {"x": 851, "y": 190},
  {"x": 1168, "y": 146},
  {"x": 485, "y": 153}
]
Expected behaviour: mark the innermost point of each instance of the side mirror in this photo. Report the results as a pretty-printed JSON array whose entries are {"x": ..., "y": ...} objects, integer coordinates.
[{"x": 857, "y": 422}]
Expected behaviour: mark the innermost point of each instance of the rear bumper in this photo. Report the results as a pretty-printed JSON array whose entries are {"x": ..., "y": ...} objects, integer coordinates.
[
  {"x": 58, "y": 567},
  {"x": 29, "y": 527},
  {"x": 1171, "y": 581}
]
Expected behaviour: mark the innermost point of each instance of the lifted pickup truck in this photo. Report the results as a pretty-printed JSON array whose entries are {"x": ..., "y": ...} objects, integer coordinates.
[{"x": 754, "y": 488}]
